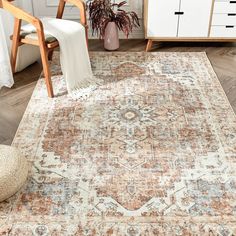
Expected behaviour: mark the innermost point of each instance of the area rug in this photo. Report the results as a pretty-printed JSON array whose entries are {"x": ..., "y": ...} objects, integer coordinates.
[{"x": 151, "y": 152}]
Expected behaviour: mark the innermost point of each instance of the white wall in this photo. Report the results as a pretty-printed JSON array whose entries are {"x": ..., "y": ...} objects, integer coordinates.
[
  {"x": 26, "y": 5},
  {"x": 49, "y": 8}
]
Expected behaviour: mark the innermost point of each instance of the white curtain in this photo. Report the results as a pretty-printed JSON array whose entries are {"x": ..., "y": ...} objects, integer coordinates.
[
  {"x": 6, "y": 29},
  {"x": 6, "y": 24}
]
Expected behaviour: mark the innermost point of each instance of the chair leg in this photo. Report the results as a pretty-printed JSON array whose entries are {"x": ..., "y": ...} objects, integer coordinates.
[
  {"x": 44, "y": 57},
  {"x": 50, "y": 55},
  {"x": 46, "y": 70},
  {"x": 15, "y": 43},
  {"x": 86, "y": 35}
]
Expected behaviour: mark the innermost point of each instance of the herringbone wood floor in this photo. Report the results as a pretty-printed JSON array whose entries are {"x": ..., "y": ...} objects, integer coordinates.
[{"x": 13, "y": 101}]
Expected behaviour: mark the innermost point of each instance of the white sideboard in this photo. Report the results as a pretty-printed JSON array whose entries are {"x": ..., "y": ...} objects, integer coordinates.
[{"x": 189, "y": 20}]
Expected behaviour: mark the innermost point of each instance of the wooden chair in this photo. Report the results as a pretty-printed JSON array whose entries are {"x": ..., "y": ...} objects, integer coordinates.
[{"x": 46, "y": 45}]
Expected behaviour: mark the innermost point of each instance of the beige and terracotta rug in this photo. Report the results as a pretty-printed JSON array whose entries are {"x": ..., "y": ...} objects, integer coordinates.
[{"x": 151, "y": 152}]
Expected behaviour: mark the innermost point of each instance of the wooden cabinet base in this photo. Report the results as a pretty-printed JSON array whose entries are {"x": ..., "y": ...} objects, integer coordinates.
[
  {"x": 150, "y": 41},
  {"x": 149, "y": 45}
]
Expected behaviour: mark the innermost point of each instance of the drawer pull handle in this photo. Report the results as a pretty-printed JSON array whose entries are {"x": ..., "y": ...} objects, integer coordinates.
[
  {"x": 229, "y": 26},
  {"x": 231, "y": 14},
  {"x": 179, "y": 13},
  {"x": 232, "y": 1}
]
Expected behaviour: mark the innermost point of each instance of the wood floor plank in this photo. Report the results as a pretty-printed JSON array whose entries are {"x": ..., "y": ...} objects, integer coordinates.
[{"x": 13, "y": 102}]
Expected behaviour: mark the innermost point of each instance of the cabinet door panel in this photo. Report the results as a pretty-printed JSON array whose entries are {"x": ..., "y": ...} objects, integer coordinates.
[
  {"x": 162, "y": 21},
  {"x": 195, "y": 19}
]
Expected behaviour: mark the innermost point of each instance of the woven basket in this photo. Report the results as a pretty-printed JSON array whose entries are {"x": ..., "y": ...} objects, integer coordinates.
[{"x": 13, "y": 171}]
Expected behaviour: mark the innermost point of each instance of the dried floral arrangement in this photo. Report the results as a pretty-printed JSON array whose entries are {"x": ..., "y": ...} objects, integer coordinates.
[{"x": 101, "y": 12}]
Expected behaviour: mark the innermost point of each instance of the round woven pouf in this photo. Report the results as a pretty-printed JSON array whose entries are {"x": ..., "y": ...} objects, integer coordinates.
[{"x": 13, "y": 171}]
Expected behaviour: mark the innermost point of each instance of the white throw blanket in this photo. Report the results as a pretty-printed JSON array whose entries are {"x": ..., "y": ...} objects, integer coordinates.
[
  {"x": 74, "y": 57},
  {"x": 6, "y": 78}
]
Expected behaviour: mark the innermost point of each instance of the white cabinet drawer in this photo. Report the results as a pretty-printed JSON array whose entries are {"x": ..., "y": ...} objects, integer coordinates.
[
  {"x": 223, "y": 32},
  {"x": 224, "y": 19},
  {"x": 225, "y": 7}
]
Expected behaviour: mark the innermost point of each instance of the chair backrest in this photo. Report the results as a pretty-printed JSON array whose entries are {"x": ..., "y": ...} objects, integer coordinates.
[
  {"x": 1, "y": 6},
  {"x": 22, "y": 15},
  {"x": 80, "y": 4}
]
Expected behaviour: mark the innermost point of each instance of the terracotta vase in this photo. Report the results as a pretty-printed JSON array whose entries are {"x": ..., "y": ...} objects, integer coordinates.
[{"x": 111, "y": 38}]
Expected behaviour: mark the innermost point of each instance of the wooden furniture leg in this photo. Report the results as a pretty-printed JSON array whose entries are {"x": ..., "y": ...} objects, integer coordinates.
[
  {"x": 46, "y": 71},
  {"x": 149, "y": 45},
  {"x": 50, "y": 55},
  {"x": 15, "y": 43},
  {"x": 45, "y": 63},
  {"x": 86, "y": 35}
]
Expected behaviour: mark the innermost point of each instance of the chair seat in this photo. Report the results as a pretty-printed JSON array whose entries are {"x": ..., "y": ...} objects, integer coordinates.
[{"x": 33, "y": 36}]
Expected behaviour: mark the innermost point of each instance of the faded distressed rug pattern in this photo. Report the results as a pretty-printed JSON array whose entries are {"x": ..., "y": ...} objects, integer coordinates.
[{"x": 151, "y": 152}]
